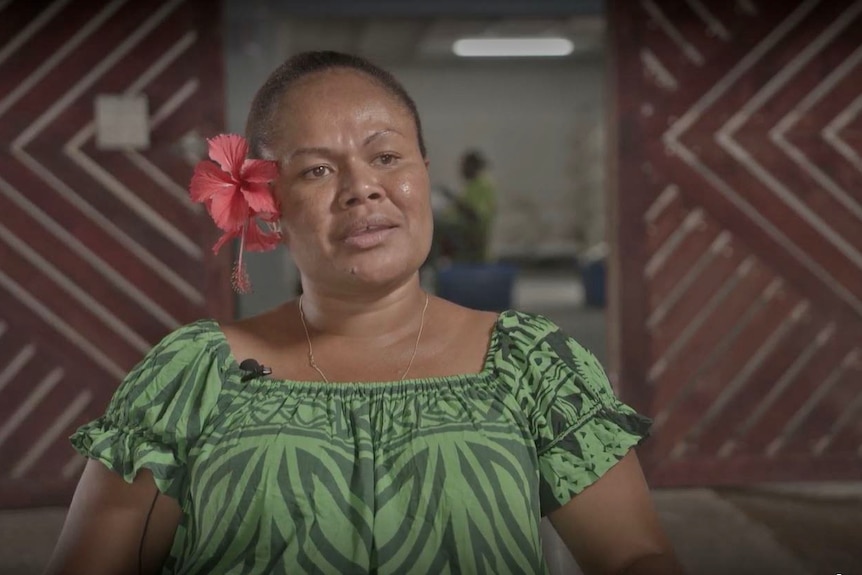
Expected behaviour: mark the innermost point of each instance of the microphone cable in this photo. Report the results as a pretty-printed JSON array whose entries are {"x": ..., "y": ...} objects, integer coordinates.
[{"x": 144, "y": 534}]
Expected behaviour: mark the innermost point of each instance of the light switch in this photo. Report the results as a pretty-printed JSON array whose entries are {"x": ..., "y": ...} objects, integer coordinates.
[{"x": 122, "y": 122}]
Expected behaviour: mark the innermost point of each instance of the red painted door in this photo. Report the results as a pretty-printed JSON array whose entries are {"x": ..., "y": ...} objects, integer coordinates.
[
  {"x": 738, "y": 235},
  {"x": 101, "y": 252}
]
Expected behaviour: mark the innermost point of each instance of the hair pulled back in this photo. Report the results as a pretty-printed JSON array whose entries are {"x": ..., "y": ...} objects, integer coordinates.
[{"x": 259, "y": 127}]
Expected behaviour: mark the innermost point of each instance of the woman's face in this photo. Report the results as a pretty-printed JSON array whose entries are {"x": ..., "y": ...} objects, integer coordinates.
[{"x": 353, "y": 184}]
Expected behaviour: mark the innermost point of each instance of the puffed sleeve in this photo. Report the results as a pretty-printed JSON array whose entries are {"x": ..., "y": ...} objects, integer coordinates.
[
  {"x": 580, "y": 428},
  {"x": 158, "y": 411}
]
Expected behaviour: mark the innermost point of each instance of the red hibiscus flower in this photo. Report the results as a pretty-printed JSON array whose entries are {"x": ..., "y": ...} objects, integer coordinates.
[{"x": 236, "y": 193}]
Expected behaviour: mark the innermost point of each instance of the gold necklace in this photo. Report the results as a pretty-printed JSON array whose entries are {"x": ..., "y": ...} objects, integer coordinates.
[{"x": 313, "y": 363}]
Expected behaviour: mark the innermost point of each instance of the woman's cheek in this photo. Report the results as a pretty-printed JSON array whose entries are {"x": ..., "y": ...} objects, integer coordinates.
[
  {"x": 406, "y": 189},
  {"x": 411, "y": 186}
]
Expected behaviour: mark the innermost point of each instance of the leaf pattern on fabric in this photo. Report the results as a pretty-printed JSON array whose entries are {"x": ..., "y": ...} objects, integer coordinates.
[{"x": 436, "y": 475}]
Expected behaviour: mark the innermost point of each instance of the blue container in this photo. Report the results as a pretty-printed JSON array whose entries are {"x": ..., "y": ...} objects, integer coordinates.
[
  {"x": 593, "y": 275},
  {"x": 486, "y": 287}
]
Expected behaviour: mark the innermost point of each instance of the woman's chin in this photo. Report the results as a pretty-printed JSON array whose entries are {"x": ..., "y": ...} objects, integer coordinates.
[{"x": 372, "y": 269}]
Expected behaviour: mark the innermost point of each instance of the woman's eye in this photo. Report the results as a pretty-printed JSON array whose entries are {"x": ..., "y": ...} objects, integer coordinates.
[
  {"x": 387, "y": 159},
  {"x": 316, "y": 172}
]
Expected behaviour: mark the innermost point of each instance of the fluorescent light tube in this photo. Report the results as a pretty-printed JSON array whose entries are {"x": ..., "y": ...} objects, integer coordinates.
[{"x": 512, "y": 47}]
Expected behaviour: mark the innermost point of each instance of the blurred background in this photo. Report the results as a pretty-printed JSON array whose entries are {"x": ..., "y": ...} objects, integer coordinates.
[{"x": 677, "y": 183}]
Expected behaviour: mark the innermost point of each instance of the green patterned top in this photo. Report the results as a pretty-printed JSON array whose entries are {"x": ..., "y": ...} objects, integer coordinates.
[{"x": 435, "y": 475}]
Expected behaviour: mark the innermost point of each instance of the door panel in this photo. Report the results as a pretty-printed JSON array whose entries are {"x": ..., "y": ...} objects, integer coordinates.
[
  {"x": 102, "y": 253},
  {"x": 738, "y": 236}
]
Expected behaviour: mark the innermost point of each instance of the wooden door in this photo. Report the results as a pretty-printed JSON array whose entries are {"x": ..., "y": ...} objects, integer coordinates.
[
  {"x": 101, "y": 252},
  {"x": 738, "y": 235}
]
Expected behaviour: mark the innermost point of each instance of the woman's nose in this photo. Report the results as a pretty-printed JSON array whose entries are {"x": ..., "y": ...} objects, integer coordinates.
[{"x": 360, "y": 185}]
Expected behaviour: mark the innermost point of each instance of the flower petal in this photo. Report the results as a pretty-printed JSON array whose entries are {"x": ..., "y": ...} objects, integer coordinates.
[
  {"x": 259, "y": 171},
  {"x": 229, "y": 150},
  {"x": 259, "y": 197},
  {"x": 258, "y": 240},
  {"x": 229, "y": 210},
  {"x": 268, "y": 217},
  {"x": 208, "y": 180},
  {"x": 225, "y": 237}
]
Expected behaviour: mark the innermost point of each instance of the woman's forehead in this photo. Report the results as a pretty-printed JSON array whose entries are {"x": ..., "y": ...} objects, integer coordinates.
[
  {"x": 331, "y": 98},
  {"x": 340, "y": 87}
]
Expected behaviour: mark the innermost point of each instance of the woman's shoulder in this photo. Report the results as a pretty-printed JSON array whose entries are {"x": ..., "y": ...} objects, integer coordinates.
[
  {"x": 464, "y": 316},
  {"x": 525, "y": 328},
  {"x": 531, "y": 342},
  {"x": 181, "y": 374},
  {"x": 460, "y": 324},
  {"x": 200, "y": 332},
  {"x": 506, "y": 329},
  {"x": 191, "y": 344},
  {"x": 267, "y": 331},
  {"x": 261, "y": 323}
]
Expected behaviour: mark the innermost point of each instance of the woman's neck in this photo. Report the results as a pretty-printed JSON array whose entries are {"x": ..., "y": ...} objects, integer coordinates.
[{"x": 364, "y": 314}]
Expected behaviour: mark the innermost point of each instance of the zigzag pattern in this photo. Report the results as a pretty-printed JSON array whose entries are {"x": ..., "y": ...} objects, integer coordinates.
[
  {"x": 102, "y": 252},
  {"x": 750, "y": 118}
]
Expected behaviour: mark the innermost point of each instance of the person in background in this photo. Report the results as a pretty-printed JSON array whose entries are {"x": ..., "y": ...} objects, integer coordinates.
[
  {"x": 366, "y": 427},
  {"x": 462, "y": 229},
  {"x": 480, "y": 198}
]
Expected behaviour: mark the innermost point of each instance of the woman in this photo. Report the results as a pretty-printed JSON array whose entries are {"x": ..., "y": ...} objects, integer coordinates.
[{"x": 392, "y": 432}]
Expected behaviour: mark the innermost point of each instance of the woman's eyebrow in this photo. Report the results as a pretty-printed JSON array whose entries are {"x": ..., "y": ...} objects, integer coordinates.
[
  {"x": 309, "y": 152},
  {"x": 322, "y": 151},
  {"x": 379, "y": 133}
]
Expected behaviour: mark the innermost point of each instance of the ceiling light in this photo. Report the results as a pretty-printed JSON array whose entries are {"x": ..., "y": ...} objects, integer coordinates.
[{"x": 512, "y": 47}]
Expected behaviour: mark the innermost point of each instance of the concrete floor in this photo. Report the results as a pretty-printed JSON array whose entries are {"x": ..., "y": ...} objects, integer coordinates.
[{"x": 810, "y": 529}]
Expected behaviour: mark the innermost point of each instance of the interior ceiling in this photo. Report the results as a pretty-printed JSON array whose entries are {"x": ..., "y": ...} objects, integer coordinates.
[
  {"x": 433, "y": 8},
  {"x": 428, "y": 39}
]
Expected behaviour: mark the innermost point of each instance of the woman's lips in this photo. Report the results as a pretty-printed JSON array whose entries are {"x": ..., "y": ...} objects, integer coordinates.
[{"x": 368, "y": 237}]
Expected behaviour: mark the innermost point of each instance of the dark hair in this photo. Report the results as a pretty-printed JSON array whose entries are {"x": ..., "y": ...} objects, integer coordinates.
[
  {"x": 268, "y": 97},
  {"x": 472, "y": 163}
]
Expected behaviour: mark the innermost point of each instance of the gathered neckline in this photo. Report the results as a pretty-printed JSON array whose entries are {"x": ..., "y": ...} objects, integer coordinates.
[{"x": 416, "y": 383}]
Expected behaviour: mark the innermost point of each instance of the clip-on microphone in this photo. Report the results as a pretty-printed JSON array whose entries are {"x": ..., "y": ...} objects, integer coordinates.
[{"x": 254, "y": 369}]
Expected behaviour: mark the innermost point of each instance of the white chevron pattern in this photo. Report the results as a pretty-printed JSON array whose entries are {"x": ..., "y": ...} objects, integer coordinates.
[
  {"x": 753, "y": 223},
  {"x": 103, "y": 253}
]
